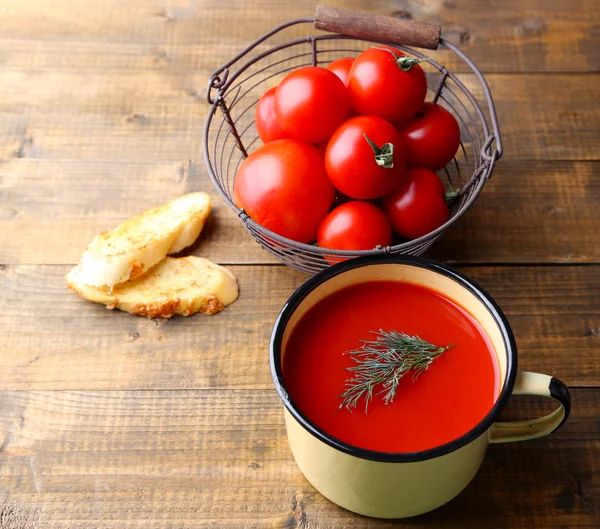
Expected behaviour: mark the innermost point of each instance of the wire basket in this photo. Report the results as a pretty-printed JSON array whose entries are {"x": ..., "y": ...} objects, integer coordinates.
[{"x": 235, "y": 88}]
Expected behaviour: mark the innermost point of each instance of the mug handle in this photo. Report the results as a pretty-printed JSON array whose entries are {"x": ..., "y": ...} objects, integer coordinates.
[{"x": 528, "y": 383}]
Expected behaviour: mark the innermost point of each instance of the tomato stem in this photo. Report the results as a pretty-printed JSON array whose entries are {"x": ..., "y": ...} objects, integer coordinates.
[
  {"x": 452, "y": 196},
  {"x": 404, "y": 62},
  {"x": 384, "y": 155}
]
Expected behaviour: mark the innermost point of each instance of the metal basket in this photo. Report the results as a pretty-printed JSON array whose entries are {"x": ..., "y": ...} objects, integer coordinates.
[{"x": 235, "y": 88}]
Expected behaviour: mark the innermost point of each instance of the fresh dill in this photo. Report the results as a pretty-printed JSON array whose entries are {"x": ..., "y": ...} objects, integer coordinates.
[{"x": 383, "y": 362}]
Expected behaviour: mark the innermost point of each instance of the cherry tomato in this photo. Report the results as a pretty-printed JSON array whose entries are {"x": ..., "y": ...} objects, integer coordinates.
[
  {"x": 431, "y": 138},
  {"x": 354, "y": 225},
  {"x": 341, "y": 68},
  {"x": 379, "y": 86},
  {"x": 310, "y": 103},
  {"x": 266, "y": 123},
  {"x": 360, "y": 169},
  {"x": 416, "y": 206},
  {"x": 283, "y": 186}
]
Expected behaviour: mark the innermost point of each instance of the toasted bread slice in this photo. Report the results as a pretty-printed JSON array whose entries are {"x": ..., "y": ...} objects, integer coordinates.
[
  {"x": 140, "y": 242},
  {"x": 183, "y": 285}
]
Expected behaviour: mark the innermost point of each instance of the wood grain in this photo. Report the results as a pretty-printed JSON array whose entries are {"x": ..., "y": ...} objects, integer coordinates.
[
  {"x": 507, "y": 36},
  {"x": 52, "y": 339},
  {"x": 220, "y": 459},
  {"x": 113, "y": 421},
  {"x": 158, "y": 115},
  {"x": 531, "y": 212}
]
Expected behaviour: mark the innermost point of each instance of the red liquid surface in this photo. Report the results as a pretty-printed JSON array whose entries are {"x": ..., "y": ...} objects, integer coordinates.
[{"x": 446, "y": 401}]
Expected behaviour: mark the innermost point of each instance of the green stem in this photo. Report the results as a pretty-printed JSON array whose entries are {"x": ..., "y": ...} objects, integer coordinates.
[
  {"x": 384, "y": 155},
  {"x": 452, "y": 196},
  {"x": 404, "y": 62}
]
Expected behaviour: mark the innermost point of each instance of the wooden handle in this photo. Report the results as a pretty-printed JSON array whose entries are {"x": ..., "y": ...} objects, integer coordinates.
[{"x": 377, "y": 27}]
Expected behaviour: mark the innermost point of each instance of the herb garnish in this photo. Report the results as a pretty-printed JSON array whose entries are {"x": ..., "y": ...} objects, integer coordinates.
[{"x": 383, "y": 362}]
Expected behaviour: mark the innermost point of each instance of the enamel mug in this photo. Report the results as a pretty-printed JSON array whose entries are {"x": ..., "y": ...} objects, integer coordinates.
[{"x": 397, "y": 485}]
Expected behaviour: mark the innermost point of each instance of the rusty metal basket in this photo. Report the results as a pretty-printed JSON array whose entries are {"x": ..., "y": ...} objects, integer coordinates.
[{"x": 235, "y": 88}]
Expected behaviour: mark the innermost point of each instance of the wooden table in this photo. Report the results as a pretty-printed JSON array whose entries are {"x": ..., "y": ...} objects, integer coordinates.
[{"x": 113, "y": 421}]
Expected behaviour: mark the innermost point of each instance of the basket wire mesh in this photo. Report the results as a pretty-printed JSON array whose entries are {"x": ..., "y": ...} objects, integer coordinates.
[{"x": 230, "y": 133}]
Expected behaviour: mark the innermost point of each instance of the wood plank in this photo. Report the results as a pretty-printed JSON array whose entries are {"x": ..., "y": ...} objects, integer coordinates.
[
  {"x": 528, "y": 211},
  {"x": 509, "y": 36},
  {"x": 52, "y": 339},
  {"x": 159, "y": 115},
  {"x": 220, "y": 459}
]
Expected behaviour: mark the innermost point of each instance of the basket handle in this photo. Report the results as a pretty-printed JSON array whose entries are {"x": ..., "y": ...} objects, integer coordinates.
[{"x": 377, "y": 27}]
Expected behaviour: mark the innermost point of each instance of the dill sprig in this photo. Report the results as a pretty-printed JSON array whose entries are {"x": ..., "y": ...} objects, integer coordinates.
[{"x": 383, "y": 362}]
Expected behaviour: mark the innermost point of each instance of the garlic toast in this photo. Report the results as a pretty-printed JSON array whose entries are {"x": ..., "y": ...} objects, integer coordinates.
[
  {"x": 184, "y": 285},
  {"x": 138, "y": 243}
]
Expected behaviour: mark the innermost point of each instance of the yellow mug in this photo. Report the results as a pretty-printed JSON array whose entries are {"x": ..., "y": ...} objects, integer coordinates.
[{"x": 398, "y": 485}]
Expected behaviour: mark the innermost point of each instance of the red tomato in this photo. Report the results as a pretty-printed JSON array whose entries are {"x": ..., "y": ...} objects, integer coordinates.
[
  {"x": 416, "y": 206},
  {"x": 352, "y": 163},
  {"x": 354, "y": 225},
  {"x": 431, "y": 138},
  {"x": 266, "y": 123},
  {"x": 283, "y": 186},
  {"x": 379, "y": 86},
  {"x": 341, "y": 68},
  {"x": 310, "y": 103}
]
